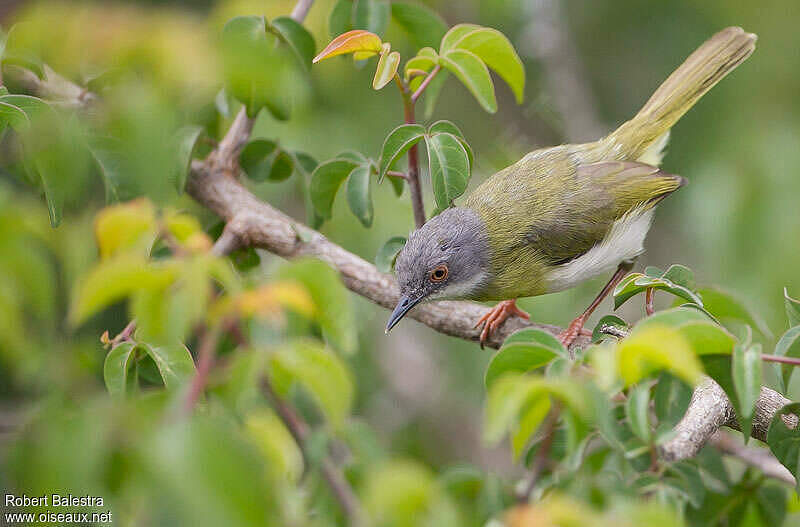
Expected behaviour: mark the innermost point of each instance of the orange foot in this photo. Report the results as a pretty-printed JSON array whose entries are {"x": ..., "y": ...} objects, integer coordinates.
[
  {"x": 497, "y": 315},
  {"x": 571, "y": 332}
]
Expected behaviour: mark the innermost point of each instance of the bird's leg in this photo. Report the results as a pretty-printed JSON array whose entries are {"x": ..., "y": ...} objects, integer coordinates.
[
  {"x": 497, "y": 315},
  {"x": 575, "y": 327}
]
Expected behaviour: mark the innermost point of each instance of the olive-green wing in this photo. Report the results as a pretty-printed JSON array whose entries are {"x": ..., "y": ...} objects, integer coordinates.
[{"x": 587, "y": 207}]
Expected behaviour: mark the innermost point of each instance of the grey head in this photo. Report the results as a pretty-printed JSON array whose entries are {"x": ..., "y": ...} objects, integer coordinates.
[{"x": 447, "y": 258}]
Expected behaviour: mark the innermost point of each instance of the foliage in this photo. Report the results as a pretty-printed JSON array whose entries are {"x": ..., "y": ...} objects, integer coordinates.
[{"x": 243, "y": 382}]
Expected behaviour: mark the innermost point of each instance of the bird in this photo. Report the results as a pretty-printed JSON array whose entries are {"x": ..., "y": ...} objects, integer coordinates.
[{"x": 563, "y": 214}]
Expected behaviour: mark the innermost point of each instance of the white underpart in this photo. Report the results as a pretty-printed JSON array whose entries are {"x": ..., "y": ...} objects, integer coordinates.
[{"x": 624, "y": 241}]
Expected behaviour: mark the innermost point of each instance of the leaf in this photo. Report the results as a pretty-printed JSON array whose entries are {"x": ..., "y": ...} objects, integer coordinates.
[
  {"x": 341, "y": 18},
  {"x": 13, "y": 116},
  {"x": 472, "y": 72},
  {"x": 529, "y": 422},
  {"x": 656, "y": 347},
  {"x": 257, "y": 71},
  {"x": 747, "y": 378},
  {"x": 106, "y": 152},
  {"x": 384, "y": 260},
  {"x": 397, "y": 143},
  {"x": 372, "y": 15},
  {"x": 784, "y": 442},
  {"x": 424, "y": 61},
  {"x": 114, "y": 279},
  {"x": 432, "y": 92},
  {"x": 282, "y": 166},
  {"x": 386, "y": 69},
  {"x": 424, "y": 26},
  {"x": 256, "y": 159},
  {"x": 450, "y": 128},
  {"x": 454, "y": 35},
  {"x": 297, "y": 37},
  {"x": 187, "y": 141},
  {"x": 448, "y": 164},
  {"x": 670, "y": 400},
  {"x": 637, "y": 409},
  {"x": 325, "y": 182},
  {"x": 280, "y": 451},
  {"x": 792, "y": 308},
  {"x": 125, "y": 227},
  {"x": 333, "y": 309},
  {"x": 789, "y": 346},
  {"x": 726, "y": 306},
  {"x": 707, "y": 338},
  {"x": 518, "y": 357},
  {"x": 636, "y": 283},
  {"x": 116, "y": 366},
  {"x": 536, "y": 336},
  {"x": 358, "y": 194},
  {"x": 355, "y": 41},
  {"x": 174, "y": 363},
  {"x": 497, "y": 52},
  {"x": 322, "y": 374}
]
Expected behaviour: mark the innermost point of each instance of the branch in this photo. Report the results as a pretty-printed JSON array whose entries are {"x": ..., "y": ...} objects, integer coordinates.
[
  {"x": 709, "y": 410},
  {"x": 257, "y": 224},
  {"x": 759, "y": 458},
  {"x": 55, "y": 88}
]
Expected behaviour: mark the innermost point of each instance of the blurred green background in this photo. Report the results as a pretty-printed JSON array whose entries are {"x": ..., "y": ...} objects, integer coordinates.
[{"x": 737, "y": 224}]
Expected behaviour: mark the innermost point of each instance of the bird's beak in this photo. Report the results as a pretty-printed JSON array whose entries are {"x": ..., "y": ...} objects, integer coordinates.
[{"x": 403, "y": 306}]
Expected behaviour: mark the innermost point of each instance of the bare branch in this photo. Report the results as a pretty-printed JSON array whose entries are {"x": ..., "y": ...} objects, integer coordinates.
[
  {"x": 709, "y": 410},
  {"x": 759, "y": 458}
]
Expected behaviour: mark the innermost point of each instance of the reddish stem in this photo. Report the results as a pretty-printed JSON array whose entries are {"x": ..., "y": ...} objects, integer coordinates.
[
  {"x": 648, "y": 301},
  {"x": 782, "y": 360},
  {"x": 414, "y": 187},
  {"x": 427, "y": 80},
  {"x": 205, "y": 359}
]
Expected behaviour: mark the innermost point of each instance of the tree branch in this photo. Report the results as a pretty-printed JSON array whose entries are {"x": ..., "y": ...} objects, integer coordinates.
[{"x": 759, "y": 458}]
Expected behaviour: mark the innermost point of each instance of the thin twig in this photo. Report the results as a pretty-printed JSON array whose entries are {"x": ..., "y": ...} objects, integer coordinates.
[
  {"x": 301, "y": 9},
  {"x": 414, "y": 186},
  {"x": 338, "y": 484},
  {"x": 427, "y": 80},
  {"x": 778, "y": 358},
  {"x": 205, "y": 359},
  {"x": 395, "y": 173},
  {"x": 648, "y": 301},
  {"x": 124, "y": 335},
  {"x": 760, "y": 458}
]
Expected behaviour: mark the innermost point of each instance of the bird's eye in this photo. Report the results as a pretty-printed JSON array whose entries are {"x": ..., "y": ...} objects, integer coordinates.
[{"x": 439, "y": 273}]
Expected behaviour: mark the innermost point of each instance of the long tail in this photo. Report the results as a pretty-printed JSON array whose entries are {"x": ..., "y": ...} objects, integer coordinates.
[{"x": 717, "y": 57}]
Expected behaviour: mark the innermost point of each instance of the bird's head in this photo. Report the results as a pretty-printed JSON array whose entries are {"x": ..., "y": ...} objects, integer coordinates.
[{"x": 447, "y": 258}]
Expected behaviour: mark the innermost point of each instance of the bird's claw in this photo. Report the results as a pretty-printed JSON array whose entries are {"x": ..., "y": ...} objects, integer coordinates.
[
  {"x": 571, "y": 332},
  {"x": 495, "y": 317}
]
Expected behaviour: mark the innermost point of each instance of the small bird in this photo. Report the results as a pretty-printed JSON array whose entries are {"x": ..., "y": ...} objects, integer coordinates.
[{"x": 563, "y": 214}]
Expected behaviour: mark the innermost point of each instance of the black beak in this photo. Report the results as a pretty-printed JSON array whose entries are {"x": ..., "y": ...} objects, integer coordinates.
[{"x": 403, "y": 306}]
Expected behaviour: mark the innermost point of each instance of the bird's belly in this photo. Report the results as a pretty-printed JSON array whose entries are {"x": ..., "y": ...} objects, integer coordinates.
[{"x": 624, "y": 241}]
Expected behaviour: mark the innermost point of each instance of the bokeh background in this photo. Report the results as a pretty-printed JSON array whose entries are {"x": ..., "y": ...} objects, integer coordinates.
[{"x": 589, "y": 65}]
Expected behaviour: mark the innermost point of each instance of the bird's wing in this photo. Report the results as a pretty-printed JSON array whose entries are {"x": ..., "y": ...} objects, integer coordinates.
[{"x": 599, "y": 195}]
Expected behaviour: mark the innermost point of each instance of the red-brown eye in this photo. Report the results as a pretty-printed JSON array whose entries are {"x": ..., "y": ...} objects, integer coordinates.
[{"x": 439, "y": 273}]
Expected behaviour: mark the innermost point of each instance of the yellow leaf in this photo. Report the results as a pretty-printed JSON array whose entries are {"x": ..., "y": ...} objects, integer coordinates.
[
  {"x": 358, "y": 41},
  {"x": 129, "y": 225},
  {"x": 657, "y": 347},
  {"x": 269, "y": 300}
]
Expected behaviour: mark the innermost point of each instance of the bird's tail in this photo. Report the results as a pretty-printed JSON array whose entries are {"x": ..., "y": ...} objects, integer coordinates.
[{"x": 717, "y": 57}]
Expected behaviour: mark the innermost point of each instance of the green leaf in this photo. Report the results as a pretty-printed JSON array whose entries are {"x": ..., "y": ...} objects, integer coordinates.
[
  {"x": 127, "y": 227},
  {"x": 13, "y": 116},
  {"x": 656, "y": 347},
  {"x": 372, "y": 15},
  {"x": 424, "y": 26},
  {"x": 114, "y": 279},
  {"x": 325, "y": 183},
  {"x": 116, "y": 366},
  {"x": 472, "y": 72},
  {"x": 322, "y": 374},
  {"x": 187, "y": 141},
  {"x": 707, "y": 338},
  {"x": 637, "y": 408},
  {"x": 333, "y": 310},
  {"x": 279, "y": 449},
  {"x": 747, "y": 378},
  {"x": 108, "y": 157},
  {"x": 397, "y": 143},
  {"x": 386, "y": 69},
  {"x": 384, "y": 260},
  {"x": 358, "y": 194},
  {"x": 297, "y": 37},
  {"x": 536, "y": 336},
  {"x": 520, "y": 358},
  {"x": 727, "y": 307},
  {"x": 670, "y": 400},
  {"x": 529, "y": 421},
  {"x": 454, "y": 35},
  {"x": 636, "y": 283},
  {"x": 431, "y": 94},
  {"x": 494, "y": 49},
  {"x": 448, "y": 164},
  {"x": 256, "y": 159},
  {"x": 612, "y": 321},
  {"x": 792, "y": 308},
  {"x": 282, "y": 166},
  {"x": 789, "y": 346},
  {"x": 450, "y": 128},
  {"x": 11, "y": 54},
  {"x": 784, "y": 442},
  {"x": 174, "y": 362},
  {"x": 257, "y": 71},
  {"x": 340, "y": 20}
]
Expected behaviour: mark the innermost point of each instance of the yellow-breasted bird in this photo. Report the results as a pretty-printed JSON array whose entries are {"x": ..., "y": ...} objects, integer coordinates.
[{"x": 563, "y": 214}]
